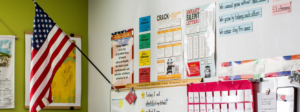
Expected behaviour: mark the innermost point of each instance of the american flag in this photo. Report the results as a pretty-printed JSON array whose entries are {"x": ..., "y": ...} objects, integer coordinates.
[{"x": 50, "y": 47}]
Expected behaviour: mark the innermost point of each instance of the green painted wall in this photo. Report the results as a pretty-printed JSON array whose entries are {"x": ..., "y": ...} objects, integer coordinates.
[{"x": 70, "y": 15}]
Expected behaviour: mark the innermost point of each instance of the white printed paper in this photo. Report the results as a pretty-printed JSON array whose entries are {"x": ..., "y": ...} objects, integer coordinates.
[
  {"x": 202, "y": 108},
  {"x": 160, "y": 51},
  {"x": 267, "y": 103},
  {"x": 203, "y": 21},
  {"x": 193, "y": 29},
  {"x": 224, "y": 108},
  {"x": 217, "y": 97},
  {"x": 196, "y": 47},
  {"x": 190, "y": 48},
  {"x": 248, "y": 107},
  {"x": 216, "y": 107},
  {"x": 202, "y": 97},
  {"x": 231, "y": 107},
  {"x": 160, "y": 36},
  {"x": 209, "y": 108},
  {"x": 248, "y": 95},
  {"x": 232, "y": 96},
  {"x": 169, "y": 35},
  {"x": 210, "y": 20},
  {"x": 191, "y": 108},
  {"x": 240, "y": 95},
  {"x": 117, "y": 105},
  {"x": 209, "y": 97},
  {"x": 160, "y": 66},
  {"x": 225, "y": 96},
  {"x": 202, "y": 45},
  {"x": 191, "y": 97},
  {"x": 177, "y": 49},
  {"x": 196, "y": 108},
  {"x": 177, "y": 34},
  {"x": 168, "y": 50},
  {"x": 240, "y": 107},
  {"x": 196, "y": 97}
]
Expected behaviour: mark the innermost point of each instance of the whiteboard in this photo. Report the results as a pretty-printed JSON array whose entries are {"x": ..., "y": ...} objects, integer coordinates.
[{"x": 171, "y": 93}]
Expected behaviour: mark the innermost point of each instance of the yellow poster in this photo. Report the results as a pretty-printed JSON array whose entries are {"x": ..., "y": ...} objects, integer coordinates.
[{"x": 144, "y": 58}]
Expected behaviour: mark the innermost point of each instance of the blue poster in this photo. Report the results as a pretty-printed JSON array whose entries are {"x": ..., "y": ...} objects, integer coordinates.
[{"x": 145, "y": 23}]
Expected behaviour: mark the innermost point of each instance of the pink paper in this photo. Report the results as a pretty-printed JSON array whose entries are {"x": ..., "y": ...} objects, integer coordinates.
[
  {"x": 276, "y": 0},
  {"x": 282, "y": 8}
]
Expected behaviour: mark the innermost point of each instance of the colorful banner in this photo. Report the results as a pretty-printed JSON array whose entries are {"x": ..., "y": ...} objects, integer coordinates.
[
  {"x": 200, "y": 47},
  {"x": 259, "y": 68},
  {"x": 122, "y": 57}
]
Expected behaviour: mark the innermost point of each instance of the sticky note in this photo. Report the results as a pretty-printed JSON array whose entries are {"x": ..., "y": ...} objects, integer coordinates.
[
  {"x": 196, "y": 97},
  {"x": 202, "y": 97},
  {"x": 209, "y": 108},
  {"x": 191, "y": 97},
  {"x": 225, "y": 96},
  {"x": 217, "y": 97},
  {"x": 191, "y": 108},
  {"x": 217, "y": 108},
  {"x": 248, "y": 95},
  {"x": 196, "y": 108},
  {"x": 209, "y": 97},
  {"x": 202, "y": 108},
  {"x": 231, "y": 107},
  {"x": 248, "y": 107},
  {"x": 240, "y": 95},
  {"x": 240, "y": 107},
  {"x": 224, "y": 108},
  {"x": 232, "y": 96}
]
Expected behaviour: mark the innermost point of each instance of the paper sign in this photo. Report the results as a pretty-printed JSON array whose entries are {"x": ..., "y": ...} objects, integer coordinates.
[
  {"x": 144, "y": 75},
  {"x": 240, "y": 16},
  {"x": 209, "y": 108},
  {"x": 235, "y": 4},
  {"x": 209, "y": 97},
  {"x": 193, "y": 69},
  {"x": 248, "y": 95},
  {"x": 240, "y": 95},
  {"x": 225, "y": 97},
  {"x": 145, "y": 23},
  {"x": 216, "y": 107},
  {"x": 236, "y": 29},
  {"x": 117, "y": 105},
  {"x": 266, "y": 103},
  {"x": 196, "y": 108},
  {"x": 130, "y": 97},
  {"x": 248, "y": 107},
  {"x": 191, "y": 97},
  {"x": 196, "y": 97},
  {"x": 224, "y": 108},
  {"x": 231, "y": 107},
  {"x": 282, "y": 8},
  {"x": 144, "y": 58},
  {"x": 202, "y": 97},
  {"x": 202, "y": 108},
  {"x": 145, "y": 41},
  {"x": 240, "y": 107},
  {"x": 217, "y": 97},
  {"x": 232, "y": 96},
  {"x": 191, "y": 108}
]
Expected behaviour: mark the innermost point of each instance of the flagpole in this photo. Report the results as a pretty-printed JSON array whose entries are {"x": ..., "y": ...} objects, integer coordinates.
[{"x": 95, "y": 67}]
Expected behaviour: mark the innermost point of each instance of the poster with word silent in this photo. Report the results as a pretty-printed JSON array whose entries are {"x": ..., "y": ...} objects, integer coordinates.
[
  {"x": 200, "y": 42},
  {"x": 122, "y": 57},
  {"x": 169, "y": 45}
]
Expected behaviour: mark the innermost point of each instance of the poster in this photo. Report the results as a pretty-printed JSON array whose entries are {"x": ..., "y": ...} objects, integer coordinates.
[
  {"x": 68, "y": 74},
  {"x": 7, "y": 72},
  {"x": 122, "y": 57},
  {"x": 144, "y": 58},
  {"x": 169, "y": 45},
  {"x": 200, "y": 47},
  {"x": 144, "y": 74},
  {"x": 145, "y": 24},
  {"x": 117, "y": 105},
  {"x": 144, "y": 41}
]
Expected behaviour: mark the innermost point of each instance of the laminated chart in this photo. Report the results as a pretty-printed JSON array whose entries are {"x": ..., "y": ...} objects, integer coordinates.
[
  {"x": 169, "y": 46},
  {"x": 200, "y": 47}
]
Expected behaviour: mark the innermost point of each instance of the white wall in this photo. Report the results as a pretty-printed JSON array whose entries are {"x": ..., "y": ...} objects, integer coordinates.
[{"x": 272, "y": 36}]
